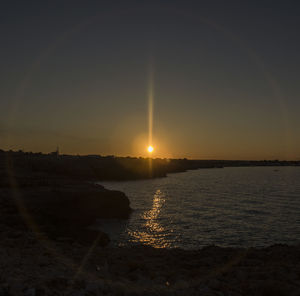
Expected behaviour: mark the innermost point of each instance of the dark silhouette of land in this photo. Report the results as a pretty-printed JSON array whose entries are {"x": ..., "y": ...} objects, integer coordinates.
[{"x": 96, "y": 167}]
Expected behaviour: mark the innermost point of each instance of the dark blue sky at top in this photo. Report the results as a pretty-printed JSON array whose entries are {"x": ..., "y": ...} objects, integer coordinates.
[{"x": 77, "y": 71}]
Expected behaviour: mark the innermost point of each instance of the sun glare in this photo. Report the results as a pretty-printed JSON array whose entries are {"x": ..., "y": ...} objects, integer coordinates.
[{"x": 150, "y": 149}]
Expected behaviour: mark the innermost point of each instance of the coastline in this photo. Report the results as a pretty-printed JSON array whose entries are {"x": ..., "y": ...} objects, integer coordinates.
[
  {"x": 112, "y": 168},
  {"x": 48, "y": 250}
]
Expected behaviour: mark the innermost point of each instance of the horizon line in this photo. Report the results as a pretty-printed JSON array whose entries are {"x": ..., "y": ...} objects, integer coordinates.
[{"x": 166, "y": 158}]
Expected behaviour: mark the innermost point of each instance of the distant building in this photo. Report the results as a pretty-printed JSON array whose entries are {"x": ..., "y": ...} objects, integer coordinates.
[{"x": 55, "y": 153}]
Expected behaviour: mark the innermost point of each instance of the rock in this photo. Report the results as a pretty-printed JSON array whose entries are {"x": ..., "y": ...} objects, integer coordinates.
[
  {"x": 161, "y": 280},
  {"x": 16, "y": 289},
  {"x": 67, "y": 211},
  {"x": 273, "y": 288},
  {"x": 205, "y": 290},
  {"x": 5, "y": 290},
  {"x": 151, "y": 293},
  {"x": 296, "y": 292},
  {"x": 58, "y": 283},
  {"x": 40, "y": 292},
  {"x": 93, "y": 287},
  {"x": 90, "y": 236},
  {"x": 30, "y": 292},
  {"x": 181, "y": 284},
  {"x": 144, "y": 282},
  {"x": 79, "y": 293},
  {"x": 118, "y": 289},
  {"x": 241, "y": 275},
  {"x": 214, "y": 284}
]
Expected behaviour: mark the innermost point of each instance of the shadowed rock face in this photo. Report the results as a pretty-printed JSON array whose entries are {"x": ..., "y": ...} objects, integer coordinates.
[
  {"x": 65, "y": 208},
  {"x": 67, "y": 211},
  {"x": 56, "y": 204}
]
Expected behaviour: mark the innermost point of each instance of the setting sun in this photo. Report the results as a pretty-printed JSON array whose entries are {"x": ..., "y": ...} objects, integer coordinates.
[{"x": 150, "y": 149}]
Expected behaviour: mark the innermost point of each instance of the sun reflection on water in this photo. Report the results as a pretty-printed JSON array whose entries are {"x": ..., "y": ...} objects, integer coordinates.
[
  {"x": 152, "y": 215},
  {"x": 154, "y": 231}
]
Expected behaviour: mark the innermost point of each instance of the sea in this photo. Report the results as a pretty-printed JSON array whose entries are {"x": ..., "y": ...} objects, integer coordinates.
[{"x": 227, "y": 207}]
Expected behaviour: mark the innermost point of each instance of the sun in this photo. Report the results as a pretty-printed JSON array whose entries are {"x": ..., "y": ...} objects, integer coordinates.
[{"x": 150, "y": 149}]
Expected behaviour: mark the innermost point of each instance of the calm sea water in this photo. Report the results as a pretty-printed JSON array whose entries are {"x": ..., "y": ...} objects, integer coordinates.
[{"x": 248, "y": 206}]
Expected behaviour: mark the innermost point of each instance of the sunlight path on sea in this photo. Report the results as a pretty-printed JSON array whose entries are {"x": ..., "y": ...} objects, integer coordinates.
[{"x": 151, "y": 236}]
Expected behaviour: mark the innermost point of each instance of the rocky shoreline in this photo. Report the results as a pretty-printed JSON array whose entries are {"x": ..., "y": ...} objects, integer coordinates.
[{"x": 61, "y": 208}]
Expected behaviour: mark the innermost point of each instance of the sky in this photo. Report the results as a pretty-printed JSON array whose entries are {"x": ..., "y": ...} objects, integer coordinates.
[{"x": 224, "y": 78}]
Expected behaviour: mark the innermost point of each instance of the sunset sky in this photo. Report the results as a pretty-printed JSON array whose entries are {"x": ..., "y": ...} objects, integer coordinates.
[{"x": 224, "y": 77}]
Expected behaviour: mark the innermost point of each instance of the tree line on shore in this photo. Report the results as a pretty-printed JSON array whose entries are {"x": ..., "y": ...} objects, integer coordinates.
[{"x": 115, "y": 168}]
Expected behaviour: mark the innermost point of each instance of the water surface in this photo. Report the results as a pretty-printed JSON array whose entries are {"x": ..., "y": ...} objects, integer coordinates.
[{"x": 247, "y": 206}]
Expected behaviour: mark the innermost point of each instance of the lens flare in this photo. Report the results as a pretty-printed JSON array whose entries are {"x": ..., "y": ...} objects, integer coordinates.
[{"x": 150, "y": 104}]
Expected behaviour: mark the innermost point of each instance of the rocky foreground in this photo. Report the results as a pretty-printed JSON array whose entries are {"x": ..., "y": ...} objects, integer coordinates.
[{"x": 32, "y": 265}]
